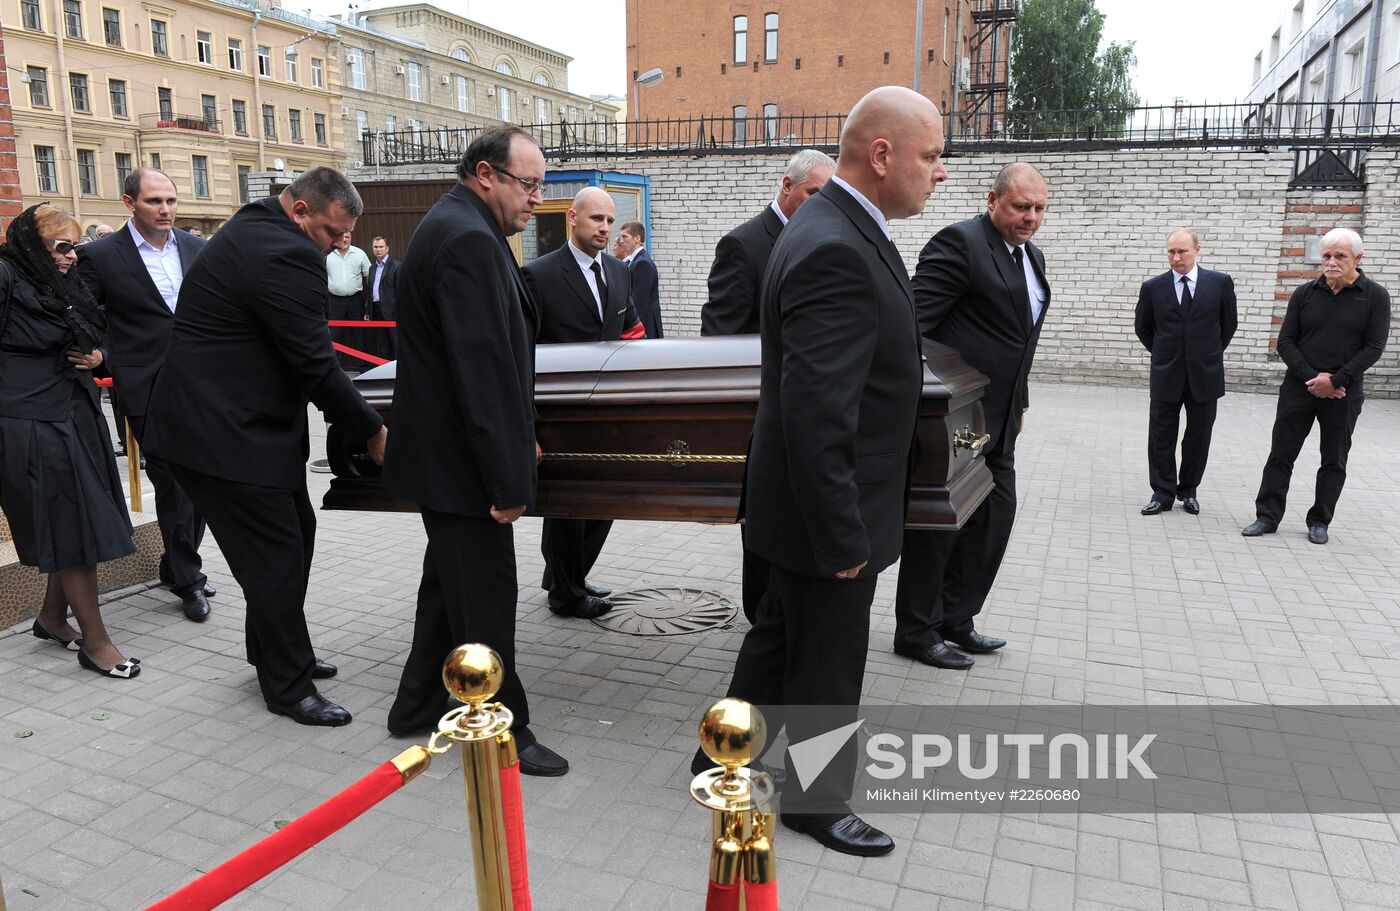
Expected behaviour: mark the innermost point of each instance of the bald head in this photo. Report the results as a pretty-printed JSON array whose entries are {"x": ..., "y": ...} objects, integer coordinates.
[
  {"x": 591, "y": 219},
  {"x": 892, "y": 150}
]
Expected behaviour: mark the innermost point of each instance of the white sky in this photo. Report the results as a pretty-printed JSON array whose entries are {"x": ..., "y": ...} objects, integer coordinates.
[{"x": 1202, "y": 50}]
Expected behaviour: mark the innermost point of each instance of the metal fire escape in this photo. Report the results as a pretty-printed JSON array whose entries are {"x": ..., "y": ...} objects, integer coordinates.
[{"x": 984, "y": 75}]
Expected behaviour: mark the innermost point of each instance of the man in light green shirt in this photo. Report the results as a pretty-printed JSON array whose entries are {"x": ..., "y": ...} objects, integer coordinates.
[{"x": 347, "y": 271}]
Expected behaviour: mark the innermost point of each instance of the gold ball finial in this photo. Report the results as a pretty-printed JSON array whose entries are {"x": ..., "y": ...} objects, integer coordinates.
[
  {"x": 732, "y": 733},
  {"x": 473, "y": 673}
]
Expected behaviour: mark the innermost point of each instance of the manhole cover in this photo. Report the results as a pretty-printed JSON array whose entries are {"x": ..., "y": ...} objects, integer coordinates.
[{"x": 667, "y": 611}]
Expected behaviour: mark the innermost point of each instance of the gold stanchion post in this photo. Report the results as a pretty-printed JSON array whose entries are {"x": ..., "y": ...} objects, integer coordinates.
[
  {"x": 732, "y": 734},
  {"x": 473, "y": 674}
]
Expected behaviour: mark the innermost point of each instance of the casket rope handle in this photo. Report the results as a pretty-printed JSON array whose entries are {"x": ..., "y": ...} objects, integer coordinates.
[{"x": 678, "y": 455}]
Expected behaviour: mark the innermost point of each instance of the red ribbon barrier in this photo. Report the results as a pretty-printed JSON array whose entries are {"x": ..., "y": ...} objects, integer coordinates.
[
  {"x": 355, "y": 352},
  {"x": 365, "y": 323},
  {"x": 513, "y": 809},
  {"x": 722, "y": 898},
  {"x": 761, "y": 896},
  {"x": 241, "y": 871}
]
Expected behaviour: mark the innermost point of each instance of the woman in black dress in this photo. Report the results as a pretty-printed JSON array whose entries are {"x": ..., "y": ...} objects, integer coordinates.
[{"x": 59, "y": 486}]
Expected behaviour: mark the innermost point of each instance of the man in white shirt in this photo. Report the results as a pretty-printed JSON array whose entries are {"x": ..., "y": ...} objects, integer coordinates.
[{"x": 347, "y": 272}]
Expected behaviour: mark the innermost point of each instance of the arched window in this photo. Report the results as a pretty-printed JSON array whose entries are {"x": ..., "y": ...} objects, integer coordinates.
[
  {"x": 461, "y": 53},
  {"x": 504, "y": 68},
  {"x": 741, "y": 39},
  {"x": 542, "y": 78}
]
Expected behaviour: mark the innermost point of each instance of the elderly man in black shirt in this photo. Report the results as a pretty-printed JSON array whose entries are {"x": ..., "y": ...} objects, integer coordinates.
[{"x": 1334, "y": 330}]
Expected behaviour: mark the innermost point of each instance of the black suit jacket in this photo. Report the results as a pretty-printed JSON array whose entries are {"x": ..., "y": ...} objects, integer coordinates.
[
  {"x": 248, "y": 350},
  {"x": 463, "y": 433},
  {"x": 827, "y": 479},
  {"x": 971, "y": 296},
  {"x": 139, "y": 322},
  {"x": 568, "y": 311},
  {"x": 646, "y": 292},
  {"x": 388, "y": 286},
  {"x": 736, "y": 275},
  {"x": 1187, "y": 343}
]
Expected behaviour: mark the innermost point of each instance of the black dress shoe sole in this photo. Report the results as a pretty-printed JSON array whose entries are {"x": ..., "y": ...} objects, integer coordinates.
[{"x": 823, "y": 837}]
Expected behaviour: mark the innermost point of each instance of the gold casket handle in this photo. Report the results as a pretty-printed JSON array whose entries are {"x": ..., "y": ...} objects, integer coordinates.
[{"x": 966, "y": 439}]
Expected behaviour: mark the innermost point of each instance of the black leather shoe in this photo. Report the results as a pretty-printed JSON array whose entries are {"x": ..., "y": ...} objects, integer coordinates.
[
  {"x": 314, "y": 709},
  {"x": 1191, "y": 505},
  {"x": 702, "y": 763},
  {"x": 850, "y": 835},
  {"x": 975, "y": 642},
  {"x": 209, "y": 590},
  {"x": 596, "y": 591},
  {"x": 323, "y": 670},
  {"x": 538, "y": 759},
  {"x": 936, "y": 655},
  {"x": 1156, "y": 506},
  {"x": 1258, "y": 527},
  {"x": 196, "y": 606},
  {"x": 1317, "y": 534},
  {"x": 585, "y": 608}
]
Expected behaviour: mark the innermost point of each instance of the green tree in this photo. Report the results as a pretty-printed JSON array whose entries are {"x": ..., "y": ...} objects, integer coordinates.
[{"x": 1056, "y": 66}]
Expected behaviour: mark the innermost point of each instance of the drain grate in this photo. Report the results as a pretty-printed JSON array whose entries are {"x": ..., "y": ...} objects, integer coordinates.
[{"x": 667, "y": 611}]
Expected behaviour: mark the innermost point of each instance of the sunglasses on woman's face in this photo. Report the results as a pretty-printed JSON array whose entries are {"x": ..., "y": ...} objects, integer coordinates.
[{"x": 62, "y": 247}]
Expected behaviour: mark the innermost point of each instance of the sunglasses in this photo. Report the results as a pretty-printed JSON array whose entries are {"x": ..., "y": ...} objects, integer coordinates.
[{"x": 62, "y": 247}]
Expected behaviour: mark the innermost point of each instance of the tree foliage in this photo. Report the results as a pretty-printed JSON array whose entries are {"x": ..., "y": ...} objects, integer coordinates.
[{"x": 1060, "y": 83}]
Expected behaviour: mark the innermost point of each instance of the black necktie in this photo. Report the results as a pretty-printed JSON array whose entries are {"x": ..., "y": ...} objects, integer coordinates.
[
  {"x": 1020, "y": 257},
  {"x": 597, "y": 268},
  {"x": 1185, "y": 293}
]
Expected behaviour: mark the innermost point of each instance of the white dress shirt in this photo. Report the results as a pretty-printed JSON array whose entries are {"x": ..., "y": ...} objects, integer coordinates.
[
  {"x": 163, "y": 265},
  {"x": 865, "y": 204},
  {"x": 777, "y": 211},
  {"x": 1190, "y": 281},
  {"x": 585, "y": 263}
]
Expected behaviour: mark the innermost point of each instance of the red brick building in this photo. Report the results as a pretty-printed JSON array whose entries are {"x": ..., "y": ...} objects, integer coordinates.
[
  {"x": 10, "y": 204},
  {"x": 786, "y": 58}
]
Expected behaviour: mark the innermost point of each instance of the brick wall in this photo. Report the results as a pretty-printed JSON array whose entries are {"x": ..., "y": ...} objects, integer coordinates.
[
  {"x": 1105, "y": 232},
  {"x": 10, "y": 199}
]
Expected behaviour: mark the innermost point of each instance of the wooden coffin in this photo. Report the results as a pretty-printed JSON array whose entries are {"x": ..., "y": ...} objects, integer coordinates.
[{"x": 658, "y": 430}]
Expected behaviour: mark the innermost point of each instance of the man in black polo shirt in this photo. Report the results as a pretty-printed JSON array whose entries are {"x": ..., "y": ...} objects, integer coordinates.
[{"x": 1335, "y": 328}]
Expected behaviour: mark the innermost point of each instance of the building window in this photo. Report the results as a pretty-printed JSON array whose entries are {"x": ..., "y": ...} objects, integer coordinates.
[
  {"x": 541, "y": 79},
  {"x": 87, "y": 172},
  {"x": 46, "y": 168},
  {"x": 291, "y": 67},
  {"x": 235, "y": 54},
  {"x": 505, "y": 69},
  {"x": 269, "y": 122},
  {"x": 415, "y": 82},
  {"x": 116, "y": 94},
  {"x": 73, "y": 19},
  {"x": 112, "y": 27},
  {"x": 460, "y": 53},
  {"x": 1297, "y": 24},
  {"x": 770, "y": 122},
  {"x": 741, "y": 39},
  {"x": 464, "y": 98},
  {"x": 390, "y": 124},
  {"x": 123, "y": 160},
  {"x": 1258, "y": 65},
  {"x": 166, "y": 102},
  {"x": 361, "y": 123},
  {"x": 947, "y": 32},
  {"x": 294, "y": 124},
  {"x": 200, "y": 165},
  {"x": 78, "y": 86},
  {"x": 741, "y": 123},
  {"x": 1356, "y": 65},
  {"x": 209, "y": 105},
  {"x": 503, "y": 102},
  {"x": 318, "y": 122},
  {"x": 770, "y": 37},
  {"x": 204, "y": 47},
  {"x": 38, "y": 86},
  {"x": 1274, "y": 47},
  {"x": 33, "y": 18},
  {"x": 541, "y": 110},
  {"x": 356, "y": 62},
  {"x": 318, "y": 72},
  {"x": 240, "y": 117},
  {"x": 243, "y": 172},
  {"x": 155, "y": 161},
  {"x": 160, "y": 39},
  {"x": 840, "y": 60},
  {"x": 887, "y": 57},
  {"x": 264, "y": 60}
]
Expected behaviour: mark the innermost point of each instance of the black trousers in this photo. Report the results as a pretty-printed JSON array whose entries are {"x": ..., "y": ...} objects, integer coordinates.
[
  {"x": 570, "y": 548},
  {"x": 945, "y": 576},
  {"x": 807, "y": 648},
  {"x": 383, "y": 342},
  {"x": 467, "y": 594},
  {"x": 1163, "y": 420},
  {"x": 350, "y": 307},
  {"x": 268, "y": 536},
  {"x": 1293, "y": 420},
  {"x": 181, "y": 525},
  {"x": 755, "y": 578}
]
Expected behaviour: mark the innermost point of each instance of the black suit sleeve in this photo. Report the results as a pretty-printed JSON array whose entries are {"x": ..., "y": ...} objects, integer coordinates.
[
  {"x": 643, "y": 280},
  {"x": 87, "y": 271},
  {"x": 291, "y": 304},
  {"x": 829, "y": 331},
  {"x": 484, "y": 367},
  {"x": 1144, "y": 320},
  {"x": 732, "y": 290},
  {"x": 942, "y": 278},
  {"x": 1229, "y": 315},
  {"x": 631, "y": 323}
]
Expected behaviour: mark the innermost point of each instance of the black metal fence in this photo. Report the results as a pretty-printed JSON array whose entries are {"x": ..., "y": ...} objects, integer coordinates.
[{"x": 1346, "y": 125}]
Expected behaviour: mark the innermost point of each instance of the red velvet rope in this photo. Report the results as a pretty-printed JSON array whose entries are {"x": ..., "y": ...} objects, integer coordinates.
[
  {"x": 513, "y": 807},
  {"x": 722, "y": 897},
  {"x": 761, "y": 896},
  {"x": 355, "y": 352},
  {"x": 241, "y": 871}
]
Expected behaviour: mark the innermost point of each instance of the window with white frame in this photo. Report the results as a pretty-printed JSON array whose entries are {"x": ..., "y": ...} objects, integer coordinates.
[
  {"x": 464, "y": 98},
  {"x": 356, "y": 61},
  {"x": 415, "y": 82},
  {"x": 73, "y": 19},
  {"x": 87, "y": 172},
  {"x": 38, "y": 86},
  {"x": 235, "y": 54},
  {"x": 200, "y": 165},
  {"x": 46, "y": 169},
  {"x": 318, "y": 72},
  {"x": 204, "y": 47},
  {"x": 264, "y": 60},
  {"x": 290, "y": 64}
]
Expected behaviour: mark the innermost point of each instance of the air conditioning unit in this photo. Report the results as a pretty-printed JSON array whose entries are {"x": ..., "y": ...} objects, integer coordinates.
[
  {"x": 399, "y": 69},
  {"x": 445, "y": 80},
  {"x": 965, "y": 72},
  {"x": 344, "y": 112},
  {"x": 491, "y": 92},
  {"x": 349, "y": 59}
]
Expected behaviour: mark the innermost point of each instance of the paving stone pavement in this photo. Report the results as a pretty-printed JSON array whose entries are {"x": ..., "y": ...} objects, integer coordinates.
[{"x": 126, "y": 790}]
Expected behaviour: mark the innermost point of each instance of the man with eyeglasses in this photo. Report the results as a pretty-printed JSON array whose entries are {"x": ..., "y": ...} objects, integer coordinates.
[{"x": 464, "y": 442}]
